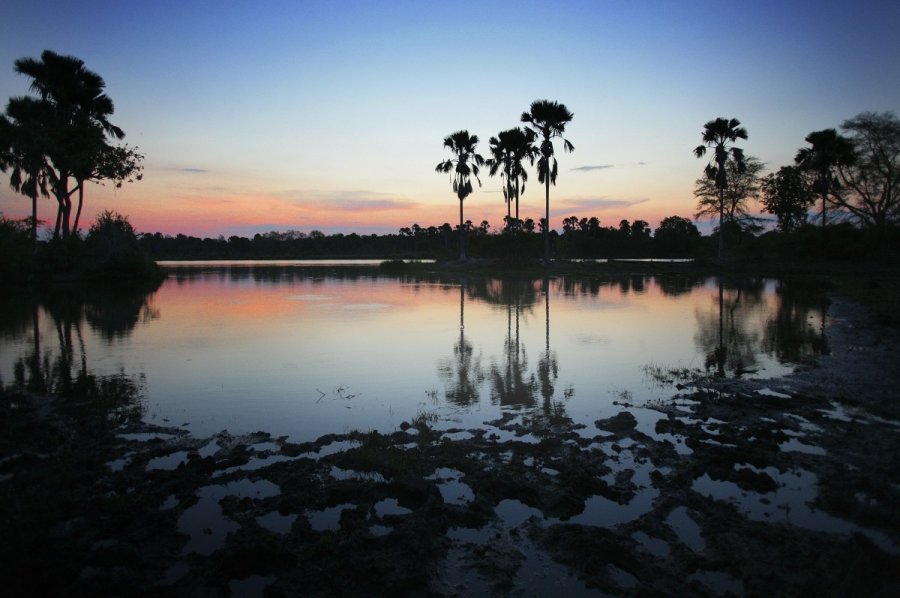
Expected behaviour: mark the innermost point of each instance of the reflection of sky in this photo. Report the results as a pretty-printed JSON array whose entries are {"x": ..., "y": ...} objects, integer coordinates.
[
  {"x": 309, "y": 356},
  {"x": 330, "y": 115}
]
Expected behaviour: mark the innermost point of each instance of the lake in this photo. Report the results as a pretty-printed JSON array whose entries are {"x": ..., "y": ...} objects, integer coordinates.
[{"x": 301, "y": 349}]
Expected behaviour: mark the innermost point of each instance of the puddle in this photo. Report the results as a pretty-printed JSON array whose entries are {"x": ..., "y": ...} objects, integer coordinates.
[
  {"x": 795, "y": 446},
  {"x": 789, "y": 504},
  {"x": 514, "y": 513},
  {"x": 338, "y": 446},
  {"x": 599, "y": 511},
  {"x": 256, "y": 463},
  {"x": 686, "y": 528},
  {"x": 276, "y": 522},
  {"x": 209, "y": 449},
  {"x": 205, "y": 523},
  {"x": 145, "y": 436},
  {"x": 452, "y": 490},
  {"x": 168, "y": 462},
  {"x": 380, "y": 530},
  {"x": 390, "y": 506},
  {"x": 117, "y": 465},
  {"x": 328, "y": 519},
  {"x": 654, "y": 546}
]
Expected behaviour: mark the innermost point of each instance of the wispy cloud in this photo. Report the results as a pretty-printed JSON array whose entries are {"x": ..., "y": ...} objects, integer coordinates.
[
  {"x": 350, "y": 200},
  {"x": 595, "y": 167},
  {"x": 599, "y": 204},
  {"x": 194, "y": 170}
]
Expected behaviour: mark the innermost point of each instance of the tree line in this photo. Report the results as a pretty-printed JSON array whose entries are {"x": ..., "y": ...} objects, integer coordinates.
[
  {"x": 56, "y": 141},
  {"x": 854, "y": 175}
]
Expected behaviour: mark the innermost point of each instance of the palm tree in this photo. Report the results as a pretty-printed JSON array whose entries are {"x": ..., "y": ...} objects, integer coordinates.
[
  {"x": 548, "y": 120},
  {"x": 464, "y": 166},
  {"x": 829, "y": 150},
  {"x": 509, "y": 149},
  {"x": 718, "y": 134},
  {"x": 23, "y": 150},
  {"x": 80, "y": 115}
]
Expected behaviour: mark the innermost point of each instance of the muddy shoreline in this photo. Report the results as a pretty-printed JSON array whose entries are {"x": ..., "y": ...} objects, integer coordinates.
[{"x": 733, "y": 486}]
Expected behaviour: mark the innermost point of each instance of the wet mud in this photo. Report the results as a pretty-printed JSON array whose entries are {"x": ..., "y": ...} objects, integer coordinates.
[{"x": 731, "y": 487}]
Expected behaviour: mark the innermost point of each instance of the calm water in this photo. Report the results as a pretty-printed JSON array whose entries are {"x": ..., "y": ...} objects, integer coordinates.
[{"x": 301, "y": 351}]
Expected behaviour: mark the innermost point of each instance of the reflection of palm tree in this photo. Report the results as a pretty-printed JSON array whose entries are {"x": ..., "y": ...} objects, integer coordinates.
[
  {"x": 511, "y": 386},
  {"x": 464, "y": 375},
  {"x": 789, "y": 336},
  {"x": 723, "y": 335},
  {"x": 719, "y": 134},
  {"x": 548, "y": 367}
]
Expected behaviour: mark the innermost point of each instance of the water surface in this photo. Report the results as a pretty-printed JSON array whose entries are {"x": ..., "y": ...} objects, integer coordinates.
[{"x": 302, "y": 350}]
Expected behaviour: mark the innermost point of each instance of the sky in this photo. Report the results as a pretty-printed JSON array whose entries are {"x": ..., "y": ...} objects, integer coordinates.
[{"x": 314, "y": 115}]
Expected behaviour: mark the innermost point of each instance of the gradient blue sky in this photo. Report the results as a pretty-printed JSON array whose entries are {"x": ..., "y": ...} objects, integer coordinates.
[{"x": 258, "y": 116}]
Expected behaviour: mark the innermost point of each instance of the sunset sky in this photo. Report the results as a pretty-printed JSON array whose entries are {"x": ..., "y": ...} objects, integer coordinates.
[{"x": 259, "y": 116}]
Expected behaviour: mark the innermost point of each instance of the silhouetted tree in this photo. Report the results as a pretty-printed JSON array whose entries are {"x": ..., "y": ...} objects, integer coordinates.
[
  {"x": 508, "y": 150},
  {"x": 23, "y": 147},
  {"x": 464, "y": 166},
  {"x": 719, "y": 134},
  {"x": 829, "y": 150},
  {"x": 787, "y": 194},
  {"x": 676, "y": 235},
  {"x": 546, "y": 121},
  {"x": 872, "y": 179},
  {"x": 742, "y": 185},
  {"x": 76, "y": 125}
]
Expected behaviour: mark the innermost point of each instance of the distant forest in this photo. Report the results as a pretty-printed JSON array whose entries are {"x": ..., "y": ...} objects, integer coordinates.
[
  {"x": 581, "y": 238},
  {"x": 584, "y": 238}
]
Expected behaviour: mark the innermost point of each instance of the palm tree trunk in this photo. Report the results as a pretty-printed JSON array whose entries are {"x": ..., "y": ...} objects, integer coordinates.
[
  {"x": 721, "y": 223},
  {"x": 78, "y": 211},
  {"x": 508, "y": 204},
  {"x": 462, "y": 234},
  {"x": 34, "y": 218},
  {"x": 547, "y": 216},
  {"x": 517, "y": 201},
  {"x": 59, "y": 213}
]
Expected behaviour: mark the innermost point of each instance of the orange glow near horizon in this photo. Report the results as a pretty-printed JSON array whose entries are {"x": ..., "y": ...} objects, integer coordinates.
[{"x": 172, "y": 203}]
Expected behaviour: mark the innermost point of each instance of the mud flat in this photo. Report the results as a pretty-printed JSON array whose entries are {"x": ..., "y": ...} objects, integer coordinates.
[{"x": 732, "y": 486}]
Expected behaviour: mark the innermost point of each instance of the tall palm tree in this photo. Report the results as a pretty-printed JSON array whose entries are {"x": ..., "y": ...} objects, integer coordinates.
[
  {"x": 508, "y": 150},
  {"x": 23, "y": 144},
  {"x": 547, "y": 120},
  {"x": 464, "y": 166},
  {"x": 829, "y": 150},
  {"x": 81, "y": 111},
  {"x": 718, "y": 134}
]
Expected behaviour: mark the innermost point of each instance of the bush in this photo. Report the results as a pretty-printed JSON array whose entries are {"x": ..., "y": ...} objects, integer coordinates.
[{"x": 16, "y": 250}]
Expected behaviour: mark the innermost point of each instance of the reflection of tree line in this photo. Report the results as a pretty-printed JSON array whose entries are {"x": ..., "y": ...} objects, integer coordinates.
[
  {"x": 726, "y": 336},
  {"x": 61, "y": 367}
]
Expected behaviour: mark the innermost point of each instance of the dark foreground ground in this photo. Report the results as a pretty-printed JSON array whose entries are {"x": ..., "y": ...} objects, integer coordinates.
[{"x": 787, "y": 486}]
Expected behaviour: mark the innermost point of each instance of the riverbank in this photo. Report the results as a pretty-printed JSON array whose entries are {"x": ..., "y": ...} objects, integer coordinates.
[{"x": 740, "y": 486}]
